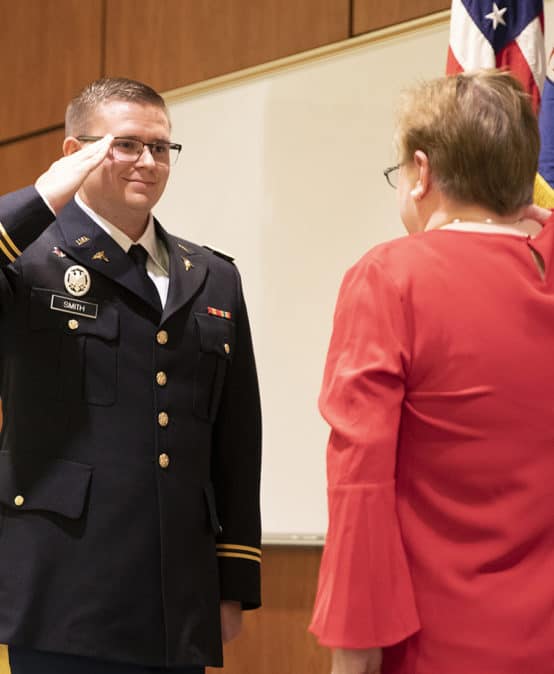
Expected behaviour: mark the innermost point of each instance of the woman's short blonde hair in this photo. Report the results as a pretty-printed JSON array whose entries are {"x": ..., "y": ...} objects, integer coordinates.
[{"x": 480, "y": 134}]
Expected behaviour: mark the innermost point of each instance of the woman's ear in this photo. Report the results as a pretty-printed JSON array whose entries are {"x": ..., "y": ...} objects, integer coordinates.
[
  {"x": 417, "y": 192},
  {"x": 421, "y": 162}
]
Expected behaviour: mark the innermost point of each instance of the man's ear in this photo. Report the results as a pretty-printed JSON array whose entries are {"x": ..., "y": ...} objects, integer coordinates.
[{"x": 70, "y": 145}]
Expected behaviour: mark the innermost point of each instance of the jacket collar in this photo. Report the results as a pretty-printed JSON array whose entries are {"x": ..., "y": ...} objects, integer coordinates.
[{"x": 87, "y": 243}]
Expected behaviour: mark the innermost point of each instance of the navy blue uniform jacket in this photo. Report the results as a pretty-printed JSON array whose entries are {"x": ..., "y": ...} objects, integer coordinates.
[{"x": 130, "y": 449}]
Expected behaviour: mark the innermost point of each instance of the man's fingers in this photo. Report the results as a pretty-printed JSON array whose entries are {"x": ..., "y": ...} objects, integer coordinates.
[
  {"x": 92, "y": 153},
  {"x": 63, "y": 179}
]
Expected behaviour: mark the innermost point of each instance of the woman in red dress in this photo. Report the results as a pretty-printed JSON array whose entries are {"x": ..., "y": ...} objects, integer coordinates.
[{"x": 439, "y": 390}]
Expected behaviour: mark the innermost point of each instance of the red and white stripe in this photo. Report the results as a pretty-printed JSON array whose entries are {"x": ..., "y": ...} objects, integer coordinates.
[{"x": 524, "y": 57}]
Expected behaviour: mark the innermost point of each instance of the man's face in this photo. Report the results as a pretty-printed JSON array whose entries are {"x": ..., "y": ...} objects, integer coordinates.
[{"x": 122, "y": 191}]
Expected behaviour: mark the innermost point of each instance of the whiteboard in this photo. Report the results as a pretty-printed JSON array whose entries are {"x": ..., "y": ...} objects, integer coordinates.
[{"x": 284, "y": 171}]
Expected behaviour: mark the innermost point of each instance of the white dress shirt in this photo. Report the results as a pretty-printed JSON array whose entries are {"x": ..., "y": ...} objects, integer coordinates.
[{"x": 157, "y": 262}]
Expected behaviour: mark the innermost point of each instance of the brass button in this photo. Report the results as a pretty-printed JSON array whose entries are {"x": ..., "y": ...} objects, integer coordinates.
[
  {"x": 161, "y": 378},
  {"x": 72, "y": 324},
  {"x": 227, "y": 349},
  {"x": 162, "y": 337},
  {"x": 163, "y": 460},
  {"x": 163, "y": 419},
  {"x": 19, "y": 500}
]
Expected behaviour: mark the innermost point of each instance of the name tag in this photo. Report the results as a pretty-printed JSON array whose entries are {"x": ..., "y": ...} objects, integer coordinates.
[{"x": 72, "y": 306}]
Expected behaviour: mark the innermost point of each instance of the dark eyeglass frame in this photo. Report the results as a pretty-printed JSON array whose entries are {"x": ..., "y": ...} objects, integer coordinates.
[
  {"x": 387, "y": 173},
  {"x": 150, "y": 146}
]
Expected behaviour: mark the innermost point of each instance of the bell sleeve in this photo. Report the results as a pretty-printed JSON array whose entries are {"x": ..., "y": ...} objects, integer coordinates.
[{"x": 365, "y": 597}]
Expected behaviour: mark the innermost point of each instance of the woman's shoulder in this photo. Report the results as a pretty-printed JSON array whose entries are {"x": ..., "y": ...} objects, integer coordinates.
[{"x": 401, "y": 254}]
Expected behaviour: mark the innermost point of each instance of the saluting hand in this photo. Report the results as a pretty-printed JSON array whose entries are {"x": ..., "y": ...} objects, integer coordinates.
[
  {"x": 64, "y": 177},
  {"x": 357, "y": 661}
]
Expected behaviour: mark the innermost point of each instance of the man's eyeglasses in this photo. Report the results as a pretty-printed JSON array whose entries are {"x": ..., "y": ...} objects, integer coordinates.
[
  {"x": 391, "y": 174},
  {"x": 130, "y": 149}
]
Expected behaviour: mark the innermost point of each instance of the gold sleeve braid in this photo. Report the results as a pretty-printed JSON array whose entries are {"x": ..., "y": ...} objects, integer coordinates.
[
  {"x": 239, "y": 551},
  {"x": 4, "y": 660},
  {"x": 7, "y": 246}
]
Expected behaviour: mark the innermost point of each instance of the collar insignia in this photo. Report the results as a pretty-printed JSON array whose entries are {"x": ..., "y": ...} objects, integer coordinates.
[
  {"x": 101, "y": 255},
  {"x": 82, "y": 240}
]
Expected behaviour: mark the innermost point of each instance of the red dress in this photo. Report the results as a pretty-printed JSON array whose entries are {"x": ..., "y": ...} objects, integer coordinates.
[{"x": 439, "y": 390}]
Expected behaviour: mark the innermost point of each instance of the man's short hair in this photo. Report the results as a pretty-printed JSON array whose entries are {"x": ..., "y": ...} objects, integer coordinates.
[
  {"x": 82, "y": 107},
  {"x": 481, "y": 136}
]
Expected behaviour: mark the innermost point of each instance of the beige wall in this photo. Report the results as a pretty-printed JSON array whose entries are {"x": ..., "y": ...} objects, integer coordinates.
[{"x": 51, "y": 48}]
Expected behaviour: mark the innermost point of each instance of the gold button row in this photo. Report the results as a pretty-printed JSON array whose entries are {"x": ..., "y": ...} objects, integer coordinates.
[
  {"x": 72, "y": 324},
  {"x": 161, "y": 378},
  {"x": 227, "y": 349},
  {"x": 19, "y": 500},
  {"x": 163, "y": 460},
  {"x": 163, "y": 419}
]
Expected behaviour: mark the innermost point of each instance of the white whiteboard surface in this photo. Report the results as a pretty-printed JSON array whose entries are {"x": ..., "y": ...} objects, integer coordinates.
[{"x": 285, "y": 173}]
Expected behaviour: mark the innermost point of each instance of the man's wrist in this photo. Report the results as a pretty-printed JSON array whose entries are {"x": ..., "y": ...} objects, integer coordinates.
[{"x": 43, "y": 197}]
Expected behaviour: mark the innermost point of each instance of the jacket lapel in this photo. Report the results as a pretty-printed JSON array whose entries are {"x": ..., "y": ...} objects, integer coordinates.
[
  {"x": 87, "y": 243},
  {"x": 187, "y": 270}
]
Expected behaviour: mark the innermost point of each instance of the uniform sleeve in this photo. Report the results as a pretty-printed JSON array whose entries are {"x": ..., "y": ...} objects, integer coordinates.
[
  {"x": 365, "y": 597},
  {"x": 24, "y": 215},
  {"x": 236, "y": 472}
]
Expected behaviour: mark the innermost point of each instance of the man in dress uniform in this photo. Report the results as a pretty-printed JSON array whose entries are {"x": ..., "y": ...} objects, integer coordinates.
[{"x": 130, "y": 449}]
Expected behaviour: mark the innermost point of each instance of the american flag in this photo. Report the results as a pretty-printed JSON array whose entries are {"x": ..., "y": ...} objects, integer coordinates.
[
  {"x": 506, "y": 33},
  {"x": 544, "y": 183}
]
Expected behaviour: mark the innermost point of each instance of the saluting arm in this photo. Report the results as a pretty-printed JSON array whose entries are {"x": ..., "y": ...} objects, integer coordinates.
[{"x": 25, "y": 214}]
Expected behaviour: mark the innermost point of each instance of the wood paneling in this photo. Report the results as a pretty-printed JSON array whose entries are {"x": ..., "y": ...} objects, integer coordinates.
[
  {"x": 176, "y": 42},
  {"x": 21, "y": 163},
  {"x": 370, "y": 15},
  {"x": 50, "y": 49},
  {"x": 275, "y": 638}
]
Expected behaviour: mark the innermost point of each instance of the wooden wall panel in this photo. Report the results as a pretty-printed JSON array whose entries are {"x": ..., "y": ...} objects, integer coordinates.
[
  {"x": 176, "y": 42},
  {"x": 275, "y": 638},
  {"x": 21, "y": 163},
  {"x": 370, "y": 15},
  {"x": 50, "y": 49}
]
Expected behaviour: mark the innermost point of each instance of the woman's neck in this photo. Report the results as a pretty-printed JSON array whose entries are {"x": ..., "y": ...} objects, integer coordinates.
[{"x": 451, "y": 213}]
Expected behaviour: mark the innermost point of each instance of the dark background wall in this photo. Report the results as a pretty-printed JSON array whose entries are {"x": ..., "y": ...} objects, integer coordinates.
[{"x": 51, "y": 48}]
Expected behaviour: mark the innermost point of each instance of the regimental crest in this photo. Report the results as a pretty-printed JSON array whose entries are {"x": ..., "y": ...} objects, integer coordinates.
[
  {"x": 77, "y": 280},
  {"x": 82, "y": 240}
]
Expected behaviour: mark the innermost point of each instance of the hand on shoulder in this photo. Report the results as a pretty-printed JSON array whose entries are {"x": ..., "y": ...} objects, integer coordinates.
[{"x": 538, "y": 213}]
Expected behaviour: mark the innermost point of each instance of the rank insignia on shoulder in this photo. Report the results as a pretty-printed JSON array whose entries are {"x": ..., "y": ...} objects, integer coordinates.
[
  {"x": 224, "y": 256},
  {"x": 101, "y": 255},
  {"x": 58, "y": 252},
  {"x": 77, "y": 280},
  {"x": 188, "y": 264},
  {"x": 82, "y": 240},
  {"x": 220, "y": 313}
]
